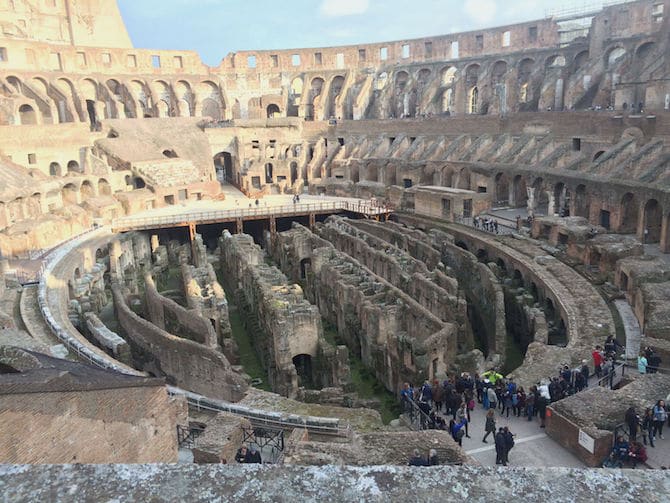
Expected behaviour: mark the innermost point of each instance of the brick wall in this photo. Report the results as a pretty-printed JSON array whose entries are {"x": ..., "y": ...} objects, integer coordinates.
[
  {"x": 126, "y": 425},
  {"x": 566, "y": 433}
]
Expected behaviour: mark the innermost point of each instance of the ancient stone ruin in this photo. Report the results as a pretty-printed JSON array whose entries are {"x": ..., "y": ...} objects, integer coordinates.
[{"x": 267, "y": 252}]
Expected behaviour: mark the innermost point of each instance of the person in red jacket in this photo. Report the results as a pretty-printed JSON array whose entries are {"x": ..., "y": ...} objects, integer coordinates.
[{"x": 597, "y": 359}]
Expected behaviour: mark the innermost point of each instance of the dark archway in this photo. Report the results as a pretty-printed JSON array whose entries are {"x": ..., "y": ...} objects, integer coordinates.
[
  {"x": 139, "y": 183},
  {"x": 502, "y": 189},
  {"x": 268, "y": 173},
  {"x": 27, "y": 115},
  {"x": 223, "y": 162},
  {"x": 73, "y": 167},
  {"x": 55, "y": 169},
  {"x": 303, "y": 367},
  {"x": 305, "y": 267},
  {"x": 294, "y": 172},
  {"x": 273, "y": 111}
]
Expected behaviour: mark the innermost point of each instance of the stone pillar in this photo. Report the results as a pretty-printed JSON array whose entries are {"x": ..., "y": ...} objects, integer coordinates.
[
  {"x": 665, "y": 238},
  {"x": 641, "y": 223}
]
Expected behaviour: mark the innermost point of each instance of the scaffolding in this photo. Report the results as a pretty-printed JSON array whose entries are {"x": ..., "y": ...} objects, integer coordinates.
[{"x": 581, "y": 10}]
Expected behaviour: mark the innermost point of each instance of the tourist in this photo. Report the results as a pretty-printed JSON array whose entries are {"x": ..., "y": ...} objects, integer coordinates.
[
  {"x": 633, "y": 421},
  {"x": 490, "y": 426},
  {"x": 462, "y": 418},
  {"x": 660, "y": 416},
  {"x": 493, "y": 398},
  {"x": 507, "y": 403},
  {"x": 653, "y": 362},
  {"x": 426, "y": 393},
  {"x": 530, "y": 403},
  {"x": 541, "y": 405},
  {"x": 598, "y": 360},
  {"x": 642, "y": 364},
  {"x": 519, "y": 401},
  {"x": 416, "y": 459},
  {"x": 501, "y": 443},
  {"x": 406, "y": 397},
  {"x": 437, "y": 394},
  {"x": 648, "y": 427},
  {"x": 457, "y": 431},
  {"x": 433, "y": 460},
  {"x": 585, "y": 372},
  {"x": 241, "y": 456},
  {"x": 621, "y": 449},
  {"x": 637, "y": 454},
  {"x": 253, "y": 456},
  {"x": 509, "y": 443}
]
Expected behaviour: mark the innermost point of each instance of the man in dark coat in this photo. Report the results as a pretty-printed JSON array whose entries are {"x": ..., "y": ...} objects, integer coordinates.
[
  {"x": 416, "y": 459},
  {"x": 500, "y": 447},
  {"x": 253, "y": 456},
  {"x": 509, "y": 443}
]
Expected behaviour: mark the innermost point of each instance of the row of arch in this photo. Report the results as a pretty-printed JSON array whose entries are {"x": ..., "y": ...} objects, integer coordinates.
[{"x": 61, "y": 100}]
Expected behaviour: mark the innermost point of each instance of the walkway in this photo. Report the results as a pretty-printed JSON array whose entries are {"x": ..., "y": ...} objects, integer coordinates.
[
  {"x": 243, "y": 208},
  {"x": 631, "y": 327},
  {"x": 532, "y": 446}
]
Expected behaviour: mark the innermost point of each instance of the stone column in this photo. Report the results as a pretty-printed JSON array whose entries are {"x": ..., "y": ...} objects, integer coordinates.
[{"x": 665, "y": 238}]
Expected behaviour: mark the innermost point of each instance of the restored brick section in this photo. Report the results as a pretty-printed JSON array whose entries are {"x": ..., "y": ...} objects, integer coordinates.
[{"x": 124, "y": 425}]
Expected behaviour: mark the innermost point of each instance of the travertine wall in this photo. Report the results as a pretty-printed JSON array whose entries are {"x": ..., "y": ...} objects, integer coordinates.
[
  {"x": 125, "y": 425},
  {"x": 185, "y": 363}
]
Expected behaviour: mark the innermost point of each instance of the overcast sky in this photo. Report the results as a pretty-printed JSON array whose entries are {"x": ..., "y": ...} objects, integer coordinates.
[{"x": 214, "y": 28}]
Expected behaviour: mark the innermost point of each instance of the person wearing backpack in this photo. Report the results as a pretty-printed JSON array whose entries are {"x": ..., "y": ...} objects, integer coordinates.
[{"x": 457, "y": 430}]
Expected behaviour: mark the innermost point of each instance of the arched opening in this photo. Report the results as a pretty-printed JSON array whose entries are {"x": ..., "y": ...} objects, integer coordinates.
[
  {"x": 473, "y": 101},
  {"x": 314, "y": 93},
  {"x": 336, "y": 86},
  {"x": 170, "y": 154},
  {"x": 273, "y": 111},
  {"x": 629, "y": 216},
  {"x": 305, "y": 267},
  {"x": 294, "y": 172},
  {"x": 581, "y": 59},
  {"x": 163, "y": 109},
  {"x": 69, "y": 194},
  {"x": 517, "y": 279},
  {"x": 55, "y": 169},
  {"x": 92, "y": 116},
  {"x": 561, "y": 203},
  {"x": 447, "y": 101},
  {"x": 534, "y": 292},
  {"x": 582, "y": 206},
  {"x": 27, "y": 115},
  {"x": 462, "y": 245},
  {"x": 303, "y": 367},
  {"x": 520, "y": 192},
  {"x": 211, "y": 108},
  {"x": 558, "y": 335},
  {"x": 268, "y": 173},
  {"x": 448, "y": 76},
  {"x": 502, "y": 189},
  {"x": 139, "y": 183},
  {"x": 73, "y": 167},
  {"x": 87, "y": 191},
  {"x": 501, "y": 265},
  {"x": 653, "y": 216},
  {"x": 615, "y": 56},
  {"x": 104, "y": 189},
  {"x": 223, "y": 163},
  {"x": 482, "y": 255}
]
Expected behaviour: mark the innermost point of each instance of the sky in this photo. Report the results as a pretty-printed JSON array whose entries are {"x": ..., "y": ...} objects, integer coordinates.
[{"x": 214, "y": 28}]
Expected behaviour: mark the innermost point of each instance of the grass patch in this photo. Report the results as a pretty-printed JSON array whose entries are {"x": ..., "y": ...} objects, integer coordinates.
[
  {"x": 248, "y": 356},
  {"x": 368, "y": 386},
  {"x": 513, "y": 355}
]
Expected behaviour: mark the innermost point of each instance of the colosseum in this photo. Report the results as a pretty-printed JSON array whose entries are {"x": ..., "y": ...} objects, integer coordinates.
[{"x": 324, "y": 254}]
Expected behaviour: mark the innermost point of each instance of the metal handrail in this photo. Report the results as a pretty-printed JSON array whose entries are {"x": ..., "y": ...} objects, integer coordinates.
[{"x": 608, "y": 380}]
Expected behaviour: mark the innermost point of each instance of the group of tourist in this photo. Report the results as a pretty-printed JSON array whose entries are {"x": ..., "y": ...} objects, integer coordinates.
[
  {"x": 485, "y": 224},
  {"x": 249, "y": 455},
  {"x": 430, "y": 460}
]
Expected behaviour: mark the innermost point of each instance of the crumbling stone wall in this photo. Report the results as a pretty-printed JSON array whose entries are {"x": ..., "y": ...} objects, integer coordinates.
[
  {"x": 290, "y": 325},
  {"x": 167, "y": 315},
  {"x": 393, "y": 334},
  {"x": 185, "y": 363},
  {"x": 109, "y": 340}
]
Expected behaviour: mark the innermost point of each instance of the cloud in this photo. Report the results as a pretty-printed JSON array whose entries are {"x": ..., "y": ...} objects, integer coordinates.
[
  {"x": 338, "y": 8},
  {"x": 481, "y": 11}
]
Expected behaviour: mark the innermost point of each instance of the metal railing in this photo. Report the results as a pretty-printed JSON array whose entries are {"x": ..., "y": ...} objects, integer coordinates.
[
  {"x": 267, "y": 419},
  {"x": 257, "y": 212},
  {"x": 613, "y": 378},
  {"x": 418, "y": 419}
]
